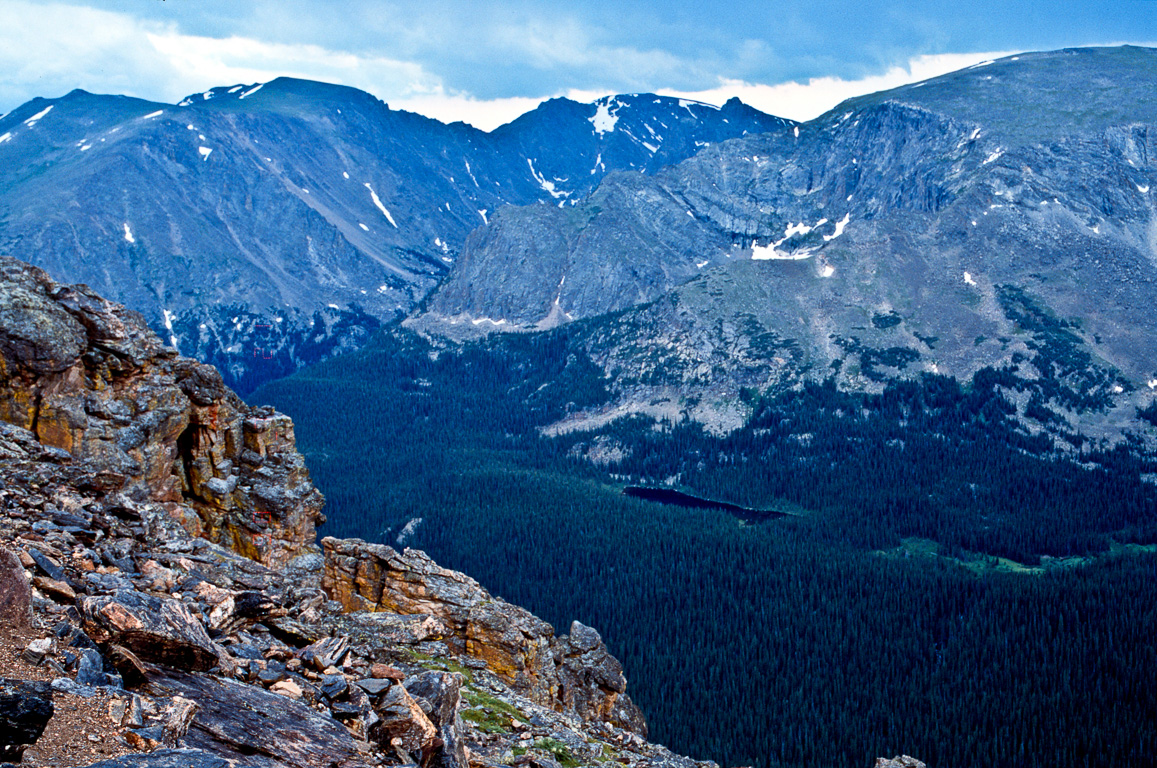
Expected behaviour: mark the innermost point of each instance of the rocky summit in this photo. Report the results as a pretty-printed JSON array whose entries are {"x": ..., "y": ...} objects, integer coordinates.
[{"x": 166, "y": 604}]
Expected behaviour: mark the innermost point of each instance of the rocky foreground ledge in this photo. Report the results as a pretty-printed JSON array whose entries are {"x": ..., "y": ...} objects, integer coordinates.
[{"x": 163, "y": 600}]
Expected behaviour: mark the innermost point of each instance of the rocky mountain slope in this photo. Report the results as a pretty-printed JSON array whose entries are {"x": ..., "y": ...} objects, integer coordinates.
[
  {"x": 983, "y": 218},
  {"x": 167, "y": 591},
  {"x": 262, "y": 227}
]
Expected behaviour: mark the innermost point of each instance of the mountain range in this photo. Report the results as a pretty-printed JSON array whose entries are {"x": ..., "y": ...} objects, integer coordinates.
[{"x": 262, "y": 227}]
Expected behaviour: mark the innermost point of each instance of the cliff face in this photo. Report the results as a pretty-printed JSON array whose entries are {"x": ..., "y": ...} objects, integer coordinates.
[
  {"x": 157, "y": 537},
  {"x": 88, "y": 376},
  {"x": 573, "y": 674}
]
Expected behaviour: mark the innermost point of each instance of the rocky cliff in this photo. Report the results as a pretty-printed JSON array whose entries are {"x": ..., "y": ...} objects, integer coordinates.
[
  {"x": 88, "y": 377},
  {"x": 150, "y": 620}
]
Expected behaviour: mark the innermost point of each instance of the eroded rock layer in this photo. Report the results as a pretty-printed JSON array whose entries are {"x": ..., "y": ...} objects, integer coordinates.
[{"x": 87, "y": 376}]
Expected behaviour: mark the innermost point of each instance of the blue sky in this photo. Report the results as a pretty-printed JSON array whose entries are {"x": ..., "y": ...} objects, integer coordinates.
[{"x": 489, "y": 61}]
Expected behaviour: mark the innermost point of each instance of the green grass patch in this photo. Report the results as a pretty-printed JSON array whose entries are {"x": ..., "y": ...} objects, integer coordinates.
[{"x": 488, "y": 713}]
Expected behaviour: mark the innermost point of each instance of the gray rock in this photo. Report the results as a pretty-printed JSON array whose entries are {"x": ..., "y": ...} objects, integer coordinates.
[
  {"x": 374, "y": 687},
  {"x": 36, "y": 650},
  {"x": 15, "y": 592},
  {"x": 50, "y": 569},
  {"x": 90, "y": 671},
  {"x": 166, "y": 758},
  {"x": 25, "y": 709},
  {"x": 256, "y": 727},
  {"x": 443, "y": 691}
]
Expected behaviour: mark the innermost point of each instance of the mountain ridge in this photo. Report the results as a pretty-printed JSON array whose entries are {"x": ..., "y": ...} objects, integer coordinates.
[
  {"x": 888, "y": 230},
  {"x": 313, "y": 213}
]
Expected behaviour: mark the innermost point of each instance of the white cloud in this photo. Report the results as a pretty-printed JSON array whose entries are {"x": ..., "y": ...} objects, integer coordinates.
[
  {"x": 47, "y": 49},
  {"x": 806, "y": 101},
  {"x": 205, "y": 62},
  {"x": 486, "y": 114}
]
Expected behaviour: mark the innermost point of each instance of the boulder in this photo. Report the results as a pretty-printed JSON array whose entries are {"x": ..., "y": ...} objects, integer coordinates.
[
  {"x": 255, "y": 727},
  {"x": 160, "y": 630},
  {"x": 15, "y": 593},
  {"x": 444, "y": 692},
  {"x": 403, "y": 724},
  {"x": 25, "y": 709}
]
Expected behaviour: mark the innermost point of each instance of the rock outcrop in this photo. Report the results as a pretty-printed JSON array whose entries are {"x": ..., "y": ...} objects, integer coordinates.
[
  {"x": 573, "y": 674},
  {"x": 144, "y": 604},
  {"x": 88, "y": 376}
]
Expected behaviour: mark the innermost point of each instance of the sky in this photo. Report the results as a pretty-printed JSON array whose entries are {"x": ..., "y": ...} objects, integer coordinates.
[{"x": 487, "y": 62}]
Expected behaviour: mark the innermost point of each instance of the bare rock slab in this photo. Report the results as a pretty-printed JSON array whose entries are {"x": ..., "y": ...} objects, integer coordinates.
[
  {"x": 258, "y": 728},
  {"x": 160, "y": 630}
]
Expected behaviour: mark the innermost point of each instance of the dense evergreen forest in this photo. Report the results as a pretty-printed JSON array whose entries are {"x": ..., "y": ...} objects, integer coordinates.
[{"x": 945, "y": 585}]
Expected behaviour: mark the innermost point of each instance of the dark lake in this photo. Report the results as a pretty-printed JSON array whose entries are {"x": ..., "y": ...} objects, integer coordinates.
[{"x": 680, "y": 499}]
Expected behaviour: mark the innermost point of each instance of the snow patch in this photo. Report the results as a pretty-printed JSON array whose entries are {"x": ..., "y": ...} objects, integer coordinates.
[
  {"x": 408, "y": 530},
  {"x": 151, "y": 115},
  {"x": 547, "y": 186},
  {"x": 168, "y": 316},
  {"x": 333, "y": 306},
  {"x": 992, "y": 158},
  {"x": 1118, "y": 389},
  {"x": 604, "y": 119},
  {"x": 129, "y": 237},
  {"x": 207, "y": 95},
  {"x": 363, "y": 226},
  {"x": 482, "y": 213},
  {"x": 32, "y": 121},
  {"x": 769, "y": 253},
  {"x": 252, "y": 91},
  {"x": 840, "y": 225},
  {"x": 652, "y": 149},
  {"x": 234, "y": 89},
  {"x": 378, "y": 202},
  {"x": 86, "y": 148},
  {"x": 982, "y": 64},
  {"x": 8, "y": 137},
  {"x": 1143, "y": 189},
  {"x": 383, "y": 288},
  {"x": 1152, "y": 383},
  {"x": 827, "y": 271},
  {"x": 470, "y": 172},
  {"x": 205, "y": 152},
  {"x": 796, "y": 131},
  {"x": 481, "y": 320},
  {"x": 345, "y": 175},
  {"x": 968, "y": 278},
  {"x": 702, "y": 264}
]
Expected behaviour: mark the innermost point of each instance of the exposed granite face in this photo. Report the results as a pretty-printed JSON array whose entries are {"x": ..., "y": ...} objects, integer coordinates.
[
  {"x": 573, "y": 674},
  {"x": 87, "y": 376}
]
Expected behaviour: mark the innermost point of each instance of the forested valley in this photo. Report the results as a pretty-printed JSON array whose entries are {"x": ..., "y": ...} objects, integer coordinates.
[{"x": 944, "y": 584}]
